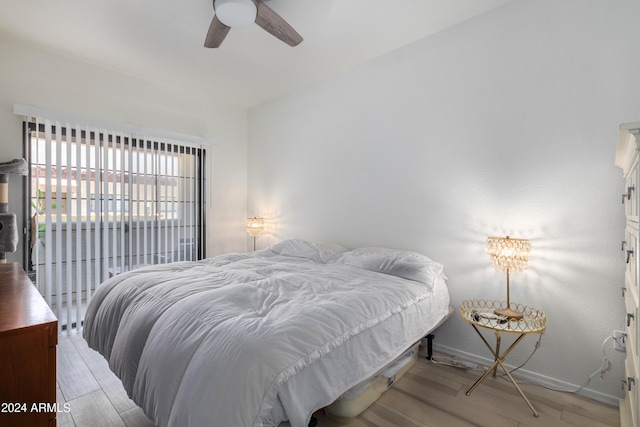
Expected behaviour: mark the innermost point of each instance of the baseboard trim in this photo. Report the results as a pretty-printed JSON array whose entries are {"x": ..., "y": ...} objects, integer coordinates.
[{"x": 531, "y": 376}]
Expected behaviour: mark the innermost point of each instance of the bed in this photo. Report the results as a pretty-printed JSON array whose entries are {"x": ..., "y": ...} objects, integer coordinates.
[{"x": 255, "y": 339}]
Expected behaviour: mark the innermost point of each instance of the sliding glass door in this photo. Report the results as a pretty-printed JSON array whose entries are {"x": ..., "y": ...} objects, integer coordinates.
[{"x": 104, "y": 202}]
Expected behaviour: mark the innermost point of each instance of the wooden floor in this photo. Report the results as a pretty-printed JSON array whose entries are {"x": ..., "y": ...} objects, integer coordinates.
[{"x": 428, "y": 395}]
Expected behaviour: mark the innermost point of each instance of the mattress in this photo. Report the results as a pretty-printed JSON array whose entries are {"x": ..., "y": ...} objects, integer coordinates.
[{"x": 286, "y": 320}]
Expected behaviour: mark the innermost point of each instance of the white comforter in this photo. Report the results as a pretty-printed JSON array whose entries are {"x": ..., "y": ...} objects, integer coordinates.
[{"x": 254, "y": 339}]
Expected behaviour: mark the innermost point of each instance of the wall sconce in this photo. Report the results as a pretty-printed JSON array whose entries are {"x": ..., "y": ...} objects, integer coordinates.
[
  {"x": 255, "y": 226},
  {"x": 508, "y": 255}
]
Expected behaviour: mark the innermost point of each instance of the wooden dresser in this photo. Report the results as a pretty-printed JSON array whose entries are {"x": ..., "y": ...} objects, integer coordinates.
[
  {"x": 28, "y": 339},
  {"x": 627, "y": 159}
]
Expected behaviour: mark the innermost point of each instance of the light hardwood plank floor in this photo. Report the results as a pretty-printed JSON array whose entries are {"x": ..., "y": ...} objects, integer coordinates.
[{"x": 428, "y": 395}]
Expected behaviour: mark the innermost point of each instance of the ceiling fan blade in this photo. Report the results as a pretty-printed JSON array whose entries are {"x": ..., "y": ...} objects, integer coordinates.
[
  {"x": 273, "y": 23},
  {"x": 216, "y": 34}
]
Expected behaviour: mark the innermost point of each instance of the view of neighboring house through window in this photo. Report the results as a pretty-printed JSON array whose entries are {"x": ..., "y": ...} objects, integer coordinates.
[{"x": 105, "y": 202}]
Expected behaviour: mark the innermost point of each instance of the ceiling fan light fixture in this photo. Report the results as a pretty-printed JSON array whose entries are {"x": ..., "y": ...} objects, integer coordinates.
[{"x": 235, "y": 13}]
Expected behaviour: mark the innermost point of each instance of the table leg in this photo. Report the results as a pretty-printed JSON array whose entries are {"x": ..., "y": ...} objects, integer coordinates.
[
  {"x": 485, "y": 375},
  {"x": 498, "y": 361},
  {"x": 506, "y": 371},
  {"x": 495, "y": 369}
]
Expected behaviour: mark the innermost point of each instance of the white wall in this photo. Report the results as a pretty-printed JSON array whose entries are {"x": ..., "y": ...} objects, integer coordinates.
[
  {"x": 34, "y": 77},
  {"x": 504, "y": 125}
]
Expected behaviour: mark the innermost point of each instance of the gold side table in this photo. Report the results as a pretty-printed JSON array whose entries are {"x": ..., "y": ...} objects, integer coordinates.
[{"x": 480, "y": 314}]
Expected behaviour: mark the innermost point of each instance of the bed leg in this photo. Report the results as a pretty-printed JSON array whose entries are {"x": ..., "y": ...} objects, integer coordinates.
[{"x": 430, "y": 338}]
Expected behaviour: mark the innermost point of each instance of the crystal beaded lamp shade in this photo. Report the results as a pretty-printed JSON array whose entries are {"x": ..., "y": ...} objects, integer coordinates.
[
  {"x": 508, "y": 254},
  {"x": 255, "y": 226}
]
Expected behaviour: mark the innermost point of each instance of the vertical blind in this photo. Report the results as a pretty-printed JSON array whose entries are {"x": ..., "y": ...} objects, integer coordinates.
[{"x": 103, "y": 202}]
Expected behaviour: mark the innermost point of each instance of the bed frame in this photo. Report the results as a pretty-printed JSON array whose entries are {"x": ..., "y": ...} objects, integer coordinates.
[{"x": 345, "y": 409}]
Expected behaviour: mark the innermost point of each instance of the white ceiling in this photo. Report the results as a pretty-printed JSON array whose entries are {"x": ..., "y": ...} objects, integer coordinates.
[{"x": 162, "y": 40}]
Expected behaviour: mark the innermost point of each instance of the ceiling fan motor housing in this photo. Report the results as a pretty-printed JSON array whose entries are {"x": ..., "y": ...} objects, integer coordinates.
[{"x": 235, "y": 13}]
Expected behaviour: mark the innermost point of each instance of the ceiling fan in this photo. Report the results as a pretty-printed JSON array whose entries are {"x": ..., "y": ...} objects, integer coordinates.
[{"x": 237, "y": 13}]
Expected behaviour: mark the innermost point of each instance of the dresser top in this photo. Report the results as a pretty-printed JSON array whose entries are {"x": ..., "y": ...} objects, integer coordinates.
[
  {"x": 21, "y": 305},
  {"x": 628, "y": 141}
]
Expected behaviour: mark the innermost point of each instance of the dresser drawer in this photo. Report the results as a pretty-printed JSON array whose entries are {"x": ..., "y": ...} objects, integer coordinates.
[
  {"x": 633, "y": 339},
  {"x": 631, "y": 391},
  {"x": 630, "y": 253},
  {"x": 629, "y": 195}
]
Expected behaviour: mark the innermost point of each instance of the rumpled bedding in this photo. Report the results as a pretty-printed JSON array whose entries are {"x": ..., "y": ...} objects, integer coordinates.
[{"x": 257, "y": 338}]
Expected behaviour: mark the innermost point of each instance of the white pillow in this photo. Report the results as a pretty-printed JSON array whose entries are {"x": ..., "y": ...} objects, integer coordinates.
[
  {"x": 317, "y": 251},
  {"x": 405, "y": 264}
]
